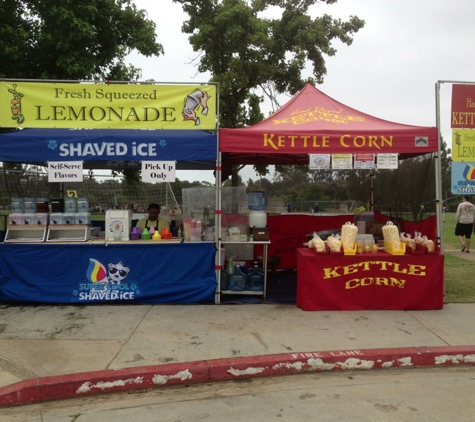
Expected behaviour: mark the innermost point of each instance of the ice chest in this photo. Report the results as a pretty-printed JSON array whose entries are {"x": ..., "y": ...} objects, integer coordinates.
[
  {"x": 42, "y": 219},
  {"x": 83, "y": 218},
  {"x": 29, "y": 219},
  {"x": 15, "y": 219},
  {"x": 118, "y": 221},
  {"x": 56, "y": 218},
  {"x": 259, "y": 234}
]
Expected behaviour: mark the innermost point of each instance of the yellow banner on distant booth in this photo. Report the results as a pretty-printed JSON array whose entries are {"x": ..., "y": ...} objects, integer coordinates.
[
  {"x": 463, "y": 145},
  {"x": 102, "y": 106}
]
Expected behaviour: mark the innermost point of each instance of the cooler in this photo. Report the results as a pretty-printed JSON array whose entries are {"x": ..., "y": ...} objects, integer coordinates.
[{"x": 118, "y": 221}]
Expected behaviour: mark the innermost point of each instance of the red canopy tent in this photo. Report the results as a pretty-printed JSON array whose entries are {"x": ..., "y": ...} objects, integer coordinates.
[{"x": 314, "y": 123}]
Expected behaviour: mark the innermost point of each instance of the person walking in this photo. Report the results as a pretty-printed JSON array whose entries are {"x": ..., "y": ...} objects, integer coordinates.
[{"x": 464, "y": 223}]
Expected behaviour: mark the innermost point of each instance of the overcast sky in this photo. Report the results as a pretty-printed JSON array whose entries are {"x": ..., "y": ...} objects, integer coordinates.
[{"x": 390, "y": 71}]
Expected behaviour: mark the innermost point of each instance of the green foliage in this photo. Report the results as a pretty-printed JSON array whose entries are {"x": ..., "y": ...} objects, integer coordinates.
[
  {"x": 73, "y": 40},
  {"x": 312, "y": 192},
  {"x": 445, "y": 164},
  {"x": 244, "y": 50}
]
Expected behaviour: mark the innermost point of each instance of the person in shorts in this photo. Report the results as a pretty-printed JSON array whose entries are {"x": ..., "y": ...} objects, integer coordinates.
[{"x": 464, "y": 223}]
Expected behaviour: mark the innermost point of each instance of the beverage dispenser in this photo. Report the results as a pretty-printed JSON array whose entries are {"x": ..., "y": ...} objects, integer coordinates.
[
  {"x": 257, "y": 206},
  {"x": 118, "y": 222}
]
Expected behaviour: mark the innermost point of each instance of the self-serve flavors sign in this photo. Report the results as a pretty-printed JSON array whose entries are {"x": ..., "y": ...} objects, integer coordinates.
[
  {"x": 101, "y": 106},
  {"x": 67, "y": 171}
]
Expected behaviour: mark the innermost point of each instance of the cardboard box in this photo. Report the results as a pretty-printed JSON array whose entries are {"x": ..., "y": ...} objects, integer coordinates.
[
  {"x": 376, "y": 229},
  {"x": 259, "y": 234}
]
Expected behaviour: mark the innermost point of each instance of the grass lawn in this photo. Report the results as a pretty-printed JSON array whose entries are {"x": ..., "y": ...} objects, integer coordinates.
[{"x": 459, "y": 272}]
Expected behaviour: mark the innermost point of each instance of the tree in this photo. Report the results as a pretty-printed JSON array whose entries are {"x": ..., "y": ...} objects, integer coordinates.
[
  {"x": 446, "y": 170},
  {"x": 73, "y": 40},
  {"x": 245, "y": 50}
]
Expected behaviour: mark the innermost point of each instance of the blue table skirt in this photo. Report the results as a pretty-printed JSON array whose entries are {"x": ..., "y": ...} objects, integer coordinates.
[{"x": 95, "y": 273}]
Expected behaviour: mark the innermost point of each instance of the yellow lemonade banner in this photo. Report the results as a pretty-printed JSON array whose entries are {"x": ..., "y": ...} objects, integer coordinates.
[
  {"x": 107, "y": 106},
  {"x": 463, "y": 145}
]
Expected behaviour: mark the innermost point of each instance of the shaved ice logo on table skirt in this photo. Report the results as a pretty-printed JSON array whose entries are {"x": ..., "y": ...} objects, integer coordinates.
[
  {"x": 106, "y": 285},
  {"x": 96, "y": 272}
]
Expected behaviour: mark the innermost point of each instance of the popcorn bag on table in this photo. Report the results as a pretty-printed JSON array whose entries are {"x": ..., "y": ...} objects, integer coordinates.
[
  {"x": 334, "y": 244},
  {"x": 317, "y": 243},
  {"x": 348, "y": 235},
  {"x": 426, "y": 243},
  {"x": 391, "y": 234},
  {"x": 407, "y": 239}
]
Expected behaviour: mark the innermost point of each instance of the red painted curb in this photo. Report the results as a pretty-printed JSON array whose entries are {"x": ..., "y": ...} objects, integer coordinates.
[
  {"x": 99, "y": 382},
  {"x": 109, "y": 381},
  {"x": 285, "y": 364}
]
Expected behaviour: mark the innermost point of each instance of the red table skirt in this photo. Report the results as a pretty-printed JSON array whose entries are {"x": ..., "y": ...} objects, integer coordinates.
[{"x": 369, "y": 281}]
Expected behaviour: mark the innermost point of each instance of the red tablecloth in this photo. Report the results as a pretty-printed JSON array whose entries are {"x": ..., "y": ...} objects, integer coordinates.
[
  {"x": 289, "y": 232},
  {"x": 369, "y": 281}
]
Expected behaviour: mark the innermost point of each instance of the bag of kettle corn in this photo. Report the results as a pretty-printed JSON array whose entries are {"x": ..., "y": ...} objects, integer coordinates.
[
  {"x": 391, "y": 234},
  {"x": 348, "y": 235}
]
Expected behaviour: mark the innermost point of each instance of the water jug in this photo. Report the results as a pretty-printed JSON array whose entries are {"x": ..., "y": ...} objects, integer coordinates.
[
  {"x": 223, "y": 282},
  {"x": 70, "y": 205},
  {"x": 17, "y": 205},
  {"x": 237, "y": 280},
  {"x": 257, "y": 219},
  {"x": 255, "y": 278},
  {"x": 257, "y": 200}
]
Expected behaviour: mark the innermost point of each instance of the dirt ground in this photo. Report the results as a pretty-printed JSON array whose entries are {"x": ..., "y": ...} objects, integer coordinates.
[{"x": 468, "y": 256}]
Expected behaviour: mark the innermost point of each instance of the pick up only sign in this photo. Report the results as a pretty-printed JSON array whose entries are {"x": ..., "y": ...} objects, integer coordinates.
[
  {"x": 65, "y": 171},
  {"x": 158, "y": 171}
]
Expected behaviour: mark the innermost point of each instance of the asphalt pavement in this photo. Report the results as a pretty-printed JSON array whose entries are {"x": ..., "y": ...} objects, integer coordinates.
[{"x": 54, "y": 352}]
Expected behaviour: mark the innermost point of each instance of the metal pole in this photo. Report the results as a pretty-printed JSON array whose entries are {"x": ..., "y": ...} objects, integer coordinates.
[
  {"x": 218, "y": 209},
  {"x": 438, "y": 170}
]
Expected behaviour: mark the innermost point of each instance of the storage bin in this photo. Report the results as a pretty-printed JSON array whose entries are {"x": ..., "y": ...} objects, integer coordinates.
[
  {"x": 42, "y": 219},
  {"x": 15, "y": 219},
  {"x": 83, "y": 218},
  {"x": 29, "y": 219},
  {"x": 261, "y": 234},
  {"x": 69, "y": 218},
  {"x": 56, "y": 218}
]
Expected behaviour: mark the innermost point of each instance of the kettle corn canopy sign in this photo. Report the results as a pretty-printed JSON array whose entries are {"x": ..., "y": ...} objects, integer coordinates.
[{"x": 103, "y": 106}]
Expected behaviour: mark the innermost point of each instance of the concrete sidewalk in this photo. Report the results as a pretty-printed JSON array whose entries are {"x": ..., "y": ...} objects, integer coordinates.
[{"x": 51, "y": 352}]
